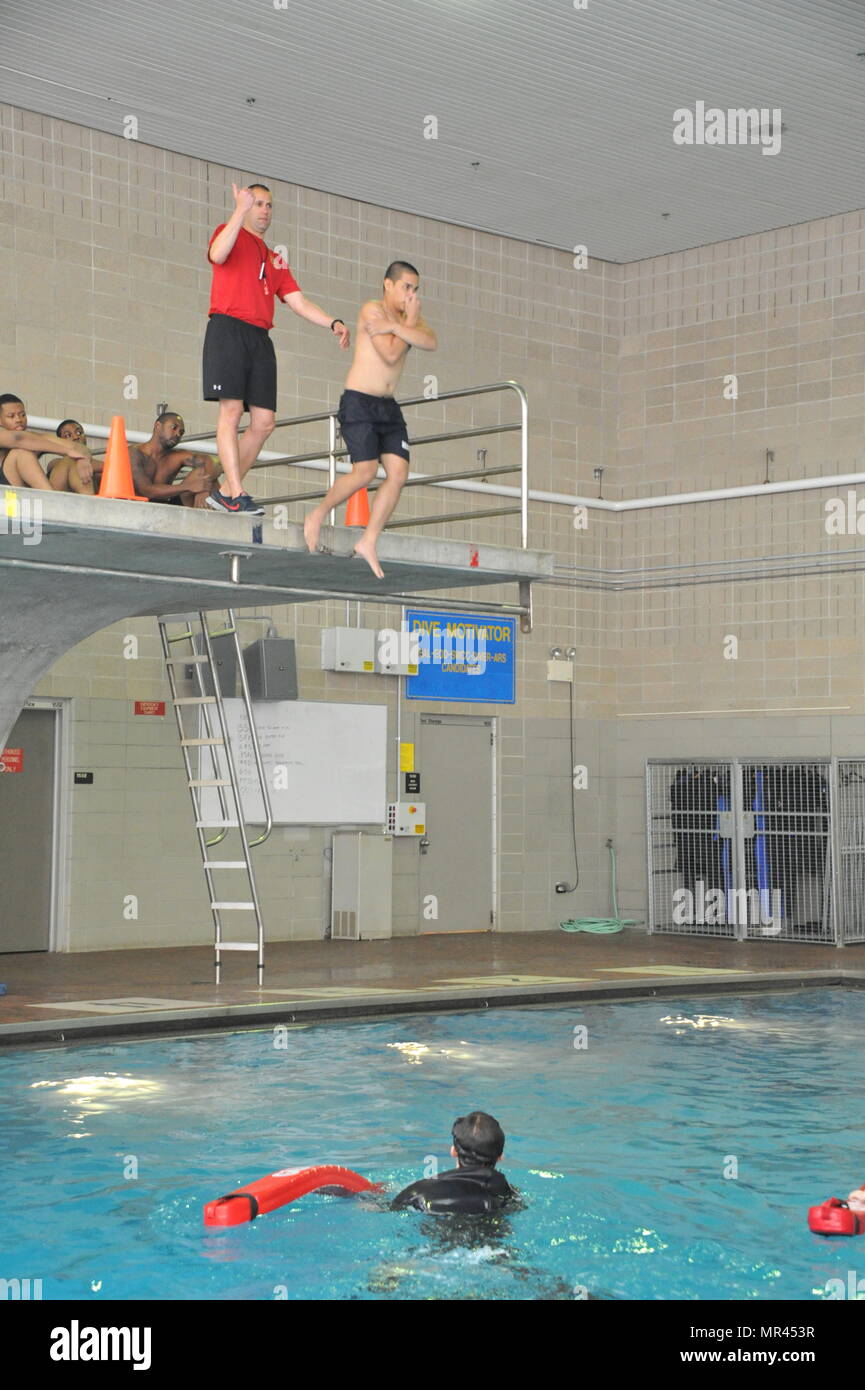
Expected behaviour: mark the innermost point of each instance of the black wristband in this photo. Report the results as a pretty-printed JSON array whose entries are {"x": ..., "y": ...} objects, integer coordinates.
[{"x": 336, "y": 321}]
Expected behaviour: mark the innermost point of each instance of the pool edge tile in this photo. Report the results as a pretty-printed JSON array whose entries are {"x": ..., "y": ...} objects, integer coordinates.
[{"x": 235, "y": 1017}]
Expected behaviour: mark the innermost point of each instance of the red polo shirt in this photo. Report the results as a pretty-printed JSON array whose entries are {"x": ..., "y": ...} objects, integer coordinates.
[{"x": 238, "y": 287}]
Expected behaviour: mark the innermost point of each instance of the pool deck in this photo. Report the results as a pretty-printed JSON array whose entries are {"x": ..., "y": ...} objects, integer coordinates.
[{"x": 57, "y": 999}]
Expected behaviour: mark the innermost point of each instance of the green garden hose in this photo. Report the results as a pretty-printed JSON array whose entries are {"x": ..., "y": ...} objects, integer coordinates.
[{"x": 603, "y": 926}]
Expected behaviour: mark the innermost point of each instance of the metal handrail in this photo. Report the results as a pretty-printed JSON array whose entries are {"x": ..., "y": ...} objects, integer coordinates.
[
  {"x": 333, "y": 452},
  {"x": 418, "y": 439},
  {"x": 246, "y": 696},
  {"x": 409, "y": 482}
]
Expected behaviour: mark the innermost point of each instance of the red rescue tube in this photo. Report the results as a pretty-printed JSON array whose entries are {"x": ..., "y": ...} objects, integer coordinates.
[
  {"x": 246, "y": 1203},
  {"x": 835, "y": 1218}
]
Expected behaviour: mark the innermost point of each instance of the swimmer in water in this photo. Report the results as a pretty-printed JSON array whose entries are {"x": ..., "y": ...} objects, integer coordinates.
[
  {"x": 478, "y": 1200},
  {"x": 475, "y": 1186}
]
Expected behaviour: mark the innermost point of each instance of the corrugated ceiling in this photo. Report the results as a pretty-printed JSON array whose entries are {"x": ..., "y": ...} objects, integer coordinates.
[{"x": 554, "y": 124}]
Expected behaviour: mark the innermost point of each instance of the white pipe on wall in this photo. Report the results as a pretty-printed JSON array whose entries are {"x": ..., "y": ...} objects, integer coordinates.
[{"x": 562, "y": 499}]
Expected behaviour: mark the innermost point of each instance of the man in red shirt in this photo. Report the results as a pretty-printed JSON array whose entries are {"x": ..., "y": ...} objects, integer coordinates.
[{"x": 239, "y": 364}]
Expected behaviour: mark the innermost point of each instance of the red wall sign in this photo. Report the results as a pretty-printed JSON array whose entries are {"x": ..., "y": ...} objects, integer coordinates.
[
  {"x": 12, "y": 760},
  {"x": 149, "y": 706}
]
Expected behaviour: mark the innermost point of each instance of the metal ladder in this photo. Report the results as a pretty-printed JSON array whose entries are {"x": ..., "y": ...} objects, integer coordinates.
[{"x": 209, "y": 738}]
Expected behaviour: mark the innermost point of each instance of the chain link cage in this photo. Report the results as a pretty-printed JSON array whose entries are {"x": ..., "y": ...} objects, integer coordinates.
[{"x": 744, "y": 850}]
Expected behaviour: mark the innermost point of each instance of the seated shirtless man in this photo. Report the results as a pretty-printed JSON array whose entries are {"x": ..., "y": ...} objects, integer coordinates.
[
  {"x": 371, "y": 421},
  {"x": 156, "y": 463},
  {"x": 20, "y": 449},
  {"x": 69, "y": 474}
]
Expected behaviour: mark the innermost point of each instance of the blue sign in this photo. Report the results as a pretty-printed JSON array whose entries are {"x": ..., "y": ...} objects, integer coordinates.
[{"x": 463, "y": 656}]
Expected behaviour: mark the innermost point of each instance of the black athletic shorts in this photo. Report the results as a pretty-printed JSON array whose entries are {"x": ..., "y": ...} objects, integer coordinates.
[
  {"x": 4, "y": 481},
  {"x": 372, "y": 426},
  {"x": 239, "y": 363}
]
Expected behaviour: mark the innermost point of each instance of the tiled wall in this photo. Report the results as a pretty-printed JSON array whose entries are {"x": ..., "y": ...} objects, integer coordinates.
[
  {"x": 624, "y": 367},
  {"x": 783, "y": 313}
]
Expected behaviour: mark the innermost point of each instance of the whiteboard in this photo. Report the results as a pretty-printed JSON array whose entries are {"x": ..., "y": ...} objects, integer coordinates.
[{"x": 324, "y": 763}]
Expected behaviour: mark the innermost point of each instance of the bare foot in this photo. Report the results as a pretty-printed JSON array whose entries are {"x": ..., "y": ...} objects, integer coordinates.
[
  {"x": 312, "y": 530},
  {"x": 366, "y": 550}
]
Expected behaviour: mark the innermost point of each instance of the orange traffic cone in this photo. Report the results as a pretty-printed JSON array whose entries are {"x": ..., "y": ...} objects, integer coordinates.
[
  {"x": 117, "y": 470},
  {"x": 357, "y": 508}
]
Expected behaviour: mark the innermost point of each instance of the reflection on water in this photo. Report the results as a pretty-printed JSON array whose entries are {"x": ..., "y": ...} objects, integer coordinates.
[
  {"x": 680, "y": 1023},
  {"x": 415, "y": 1052},
  {"x": 92, "y": 1095}
]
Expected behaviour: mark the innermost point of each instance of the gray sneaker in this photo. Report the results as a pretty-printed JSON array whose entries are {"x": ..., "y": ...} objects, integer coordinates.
[{"x": 219, "y": 502}]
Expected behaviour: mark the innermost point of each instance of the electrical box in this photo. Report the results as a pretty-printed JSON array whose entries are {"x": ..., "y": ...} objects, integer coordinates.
[
  {"x": 560, "y": 671},
  {"x": 224, "y": 661},
  {"x": 362, "y": 882},
  {"x": 406, "y": 818},
  {"x": 397, "y": 653},
  {"x": 348, "y": 649},
  {"x": 271, "y": 668}
]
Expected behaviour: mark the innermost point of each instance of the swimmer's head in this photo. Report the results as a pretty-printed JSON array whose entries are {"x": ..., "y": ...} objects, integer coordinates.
[
  {"x": 478, "y": 1140},
  {"x": 401, "y": 280}
]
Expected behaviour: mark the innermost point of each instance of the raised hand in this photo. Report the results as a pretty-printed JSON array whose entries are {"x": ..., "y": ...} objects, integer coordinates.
[
  {"x": 244, "y": 199},
  {"x": 412, "y": 308}
]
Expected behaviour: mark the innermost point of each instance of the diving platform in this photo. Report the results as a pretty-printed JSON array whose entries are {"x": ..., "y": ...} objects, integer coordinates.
[{"x": 73, "y": 565}]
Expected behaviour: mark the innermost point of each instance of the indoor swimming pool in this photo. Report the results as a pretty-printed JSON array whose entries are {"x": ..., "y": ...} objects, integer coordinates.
[{"x": 663, "y": 1150}]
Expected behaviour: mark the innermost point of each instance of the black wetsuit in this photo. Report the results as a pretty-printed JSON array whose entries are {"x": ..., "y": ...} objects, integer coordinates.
[{"x": 466, "y": 1191}]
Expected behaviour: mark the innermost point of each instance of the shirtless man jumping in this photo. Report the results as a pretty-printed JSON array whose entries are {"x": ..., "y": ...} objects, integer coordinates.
[{"x": 372, "y": 423}]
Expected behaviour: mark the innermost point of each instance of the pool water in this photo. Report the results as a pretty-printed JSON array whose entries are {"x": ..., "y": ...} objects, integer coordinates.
[{"x": 673, "y": 1156}]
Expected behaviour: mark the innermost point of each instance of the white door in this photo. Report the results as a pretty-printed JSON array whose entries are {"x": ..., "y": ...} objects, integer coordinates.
[{"x": 456, "y": 764}]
